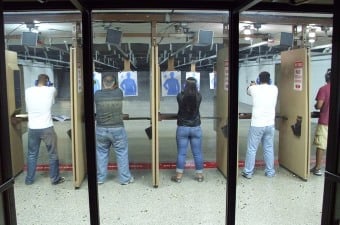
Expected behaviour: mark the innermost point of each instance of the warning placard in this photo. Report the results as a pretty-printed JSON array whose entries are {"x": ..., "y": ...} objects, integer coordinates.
[{"x": 298, "y": 76}]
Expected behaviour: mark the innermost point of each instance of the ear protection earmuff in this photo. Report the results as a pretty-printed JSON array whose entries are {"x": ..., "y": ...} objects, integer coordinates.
[
  {"x": 258, "y": 81},
  {"x": 48, "y": 83}
]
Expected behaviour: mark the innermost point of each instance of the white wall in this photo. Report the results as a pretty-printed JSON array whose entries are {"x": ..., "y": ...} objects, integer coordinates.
[
  {"x": 31, "y": 71},
  {"x": 249, "y": 72},
  {"x": 319, "y": 66}
]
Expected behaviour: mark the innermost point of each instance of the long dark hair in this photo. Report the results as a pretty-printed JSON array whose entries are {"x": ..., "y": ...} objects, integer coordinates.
[{"x": 190, "y": 94}]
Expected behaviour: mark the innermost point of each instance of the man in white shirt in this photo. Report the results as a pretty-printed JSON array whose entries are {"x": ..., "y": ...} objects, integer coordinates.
[
  {"x": 264, "y": 96},
  {"x": 39, "y": 100}
]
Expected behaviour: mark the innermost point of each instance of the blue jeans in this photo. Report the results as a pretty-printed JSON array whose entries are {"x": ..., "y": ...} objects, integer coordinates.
[
  {"x": 49, "y": 137},
  {"x": 265, "y": 135},
  {"x": 117, "y": 138},
  {"x": 184, "y": 135}
]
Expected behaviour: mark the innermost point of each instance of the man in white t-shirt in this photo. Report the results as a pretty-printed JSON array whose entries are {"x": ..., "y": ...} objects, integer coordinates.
[
  {"x": 264, "y": 96},
  {"x": 39, "y": 100}
]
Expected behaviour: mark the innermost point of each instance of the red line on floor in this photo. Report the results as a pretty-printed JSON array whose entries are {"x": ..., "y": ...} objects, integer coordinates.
[{"x": 163, "y": 165}]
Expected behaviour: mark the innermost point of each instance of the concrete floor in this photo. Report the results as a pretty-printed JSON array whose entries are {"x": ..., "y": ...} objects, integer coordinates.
[{"x": 284, "y": 199}]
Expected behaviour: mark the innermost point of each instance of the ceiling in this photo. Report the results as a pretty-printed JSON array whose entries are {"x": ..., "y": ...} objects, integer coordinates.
[{"x": 175, "y": 32}]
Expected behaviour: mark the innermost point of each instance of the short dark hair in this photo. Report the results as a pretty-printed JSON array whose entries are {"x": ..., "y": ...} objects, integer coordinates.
[
  {"x": 109, "y": 80},
  {"x": 43, "y": 79},
  {"x": 328, "y": 75},
  {"x": 264, "y": 77}
]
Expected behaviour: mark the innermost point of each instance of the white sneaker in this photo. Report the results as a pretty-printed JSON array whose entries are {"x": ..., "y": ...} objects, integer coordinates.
[{"x": 132, "y": 179}]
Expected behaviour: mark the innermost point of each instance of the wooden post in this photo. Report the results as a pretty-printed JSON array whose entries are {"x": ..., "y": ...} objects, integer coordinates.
[
  {"x": 193, "y": 67},
  {"x": 171, "y": 66},
  {"x": 127, "y": 65}
]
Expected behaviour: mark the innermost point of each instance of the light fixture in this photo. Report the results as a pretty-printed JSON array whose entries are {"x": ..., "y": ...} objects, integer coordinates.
[
  {"x": 270, "y": 38},
  {"x": 167, "y": 18},
  {"x": 32, "y": 27},
  {"x": 247, "y": 33},
  {"x": 247, "y": 30},
  {"x": 312, "y": 33}
]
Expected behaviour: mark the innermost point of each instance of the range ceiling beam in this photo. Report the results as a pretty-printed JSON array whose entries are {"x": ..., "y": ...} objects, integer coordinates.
[
  {"x": 245, "y": 5},
  {"x": 11, "y": 18},
  {"x": 286, "y": 7},
  {"x": 15, "y": 18},
  {"x": 286, "y": 20},
  {"x": 36, "y": 5}
]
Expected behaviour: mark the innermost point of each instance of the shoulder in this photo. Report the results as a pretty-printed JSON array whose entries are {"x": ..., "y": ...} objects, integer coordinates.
[
  {"x": 324, "y": 88},
  {"x": 52, "y": 89},
  {"x": 29, "y": 88},
  {"x": 118, "y": 90},
  {"x": 97, "y": 92}
]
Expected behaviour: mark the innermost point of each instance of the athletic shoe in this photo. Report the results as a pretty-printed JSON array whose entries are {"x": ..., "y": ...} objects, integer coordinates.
[
  {"x": 132, "y": 179},
  {"x": 316, "y": 171},
  {"x": 269, "y": 175},
  {"x": 59, "y": 181},
  {"x": 246, "y": 175}
]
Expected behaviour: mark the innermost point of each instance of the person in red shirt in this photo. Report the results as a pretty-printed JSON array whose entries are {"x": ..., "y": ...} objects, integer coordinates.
[{"x": 321, "y": 132}]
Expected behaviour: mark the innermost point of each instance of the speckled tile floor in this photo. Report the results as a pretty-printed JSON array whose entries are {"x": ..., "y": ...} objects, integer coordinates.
[{"x": 282, "y": 200}]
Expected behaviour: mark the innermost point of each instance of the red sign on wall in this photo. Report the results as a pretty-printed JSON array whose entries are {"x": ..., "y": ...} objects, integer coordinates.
[
  {"x": 298, "y": 75},
  {"x": 226, "y": 75}
]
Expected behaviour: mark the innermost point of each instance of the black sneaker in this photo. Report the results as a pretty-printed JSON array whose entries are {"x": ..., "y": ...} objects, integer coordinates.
[{"x": 59, "y": 181}]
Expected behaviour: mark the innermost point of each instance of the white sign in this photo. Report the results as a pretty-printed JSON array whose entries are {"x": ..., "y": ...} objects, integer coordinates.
[
  {"x": 128, "y": 83},
  {"x": 298, "y": 76}
]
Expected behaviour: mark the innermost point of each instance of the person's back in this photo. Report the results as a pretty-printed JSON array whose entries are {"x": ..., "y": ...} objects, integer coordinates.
[
  {"x": 261, "y": 130},
  {"x": 189, "y": 130},
  {"x": 110, "y": 131},
  {"x": 39, "y": 101},
  {"x": 264, "y": 97},
  {"x": 186, "y": 117},
  {"x": 109, "y": 107}
]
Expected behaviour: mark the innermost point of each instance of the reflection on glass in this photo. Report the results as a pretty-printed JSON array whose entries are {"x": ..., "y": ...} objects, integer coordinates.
[
  {"x": 337, "y": 203},
  {"x": 42, "y": 47},
  {"x": 270, "y": 37},
  {"x": 2, "y": 216}
]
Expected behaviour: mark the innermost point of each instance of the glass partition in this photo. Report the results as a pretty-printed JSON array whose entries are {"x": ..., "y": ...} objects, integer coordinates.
[
  {"x": 41, "y": 43},
  {"x": 283, "y": 48},
  {"x": 157, "y": 51}
]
